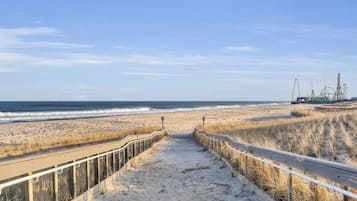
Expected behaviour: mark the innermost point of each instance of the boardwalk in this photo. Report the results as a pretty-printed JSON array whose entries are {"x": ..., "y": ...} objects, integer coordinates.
[{"x": 179, "y": 170}]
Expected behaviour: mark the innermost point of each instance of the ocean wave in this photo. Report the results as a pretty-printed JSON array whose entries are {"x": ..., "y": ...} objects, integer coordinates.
[
  {"x": 228, "y": 106},
  {"x": 7, "y": 117}
]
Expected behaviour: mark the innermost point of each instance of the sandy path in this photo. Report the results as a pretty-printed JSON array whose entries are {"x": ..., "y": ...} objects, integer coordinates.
[{"x": 161, "y": 176}]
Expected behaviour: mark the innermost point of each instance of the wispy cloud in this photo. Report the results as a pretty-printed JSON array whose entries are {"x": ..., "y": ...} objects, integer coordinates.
[
  {"x": 17, "y": 38},
  {"x": 129, "y": 48},
  {"x": 70, "y": 59},
  {"x": 307, "y": 31},
  {"x": 28, "y": 31},
  {"x": 264, "y": 72},
  {"x": 20, "y": 60},
  {"x": 153, "y": 74},
  {"x": 74, "y": 59},
  {"x": 48, "y": 44},
  {"x": 242, "y": 48},
  {"x": 9, "y": 70}
]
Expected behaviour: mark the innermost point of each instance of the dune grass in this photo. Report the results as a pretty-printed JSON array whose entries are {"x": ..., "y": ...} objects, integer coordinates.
[
  {"x": 67, "y": 141},
  {"x": 272, "y": 180},
  {"x": 331, "y": 136}
]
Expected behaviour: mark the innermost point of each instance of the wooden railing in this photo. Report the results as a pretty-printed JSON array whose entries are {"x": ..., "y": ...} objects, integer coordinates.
[
  {"x": 65, "y": 175},
  {"x": 342, "y": 178}
]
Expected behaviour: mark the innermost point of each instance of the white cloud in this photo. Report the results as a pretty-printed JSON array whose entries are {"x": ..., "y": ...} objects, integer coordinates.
[
  {"x": 75, "y": 59},
  {"x": 263, "y": 72},
  {"x": 153, "y": 74},
  {"x": 121, "y": 47},
  {"x": 16, "y": 38},
  {"x": 48, "y": 44},
  {"x": 9, "y": 70},
  {"x": 241, "y": 48},
  {"x": 72, "y": 59},
  {"x": 28, "y": 31}
]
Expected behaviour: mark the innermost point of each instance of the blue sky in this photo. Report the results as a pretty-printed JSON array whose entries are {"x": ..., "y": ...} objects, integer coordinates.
[{"x": 174, "y": 50}]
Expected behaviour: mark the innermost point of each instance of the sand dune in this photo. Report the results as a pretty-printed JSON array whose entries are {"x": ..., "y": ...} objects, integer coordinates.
[{"x": 332, "y": 136}]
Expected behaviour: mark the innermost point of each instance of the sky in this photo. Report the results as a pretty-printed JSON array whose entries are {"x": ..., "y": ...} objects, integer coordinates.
[{"x": 174, "y": 50}]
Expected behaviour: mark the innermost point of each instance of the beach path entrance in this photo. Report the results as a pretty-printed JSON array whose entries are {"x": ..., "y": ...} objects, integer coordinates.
[{"x": 179, "y": 169}]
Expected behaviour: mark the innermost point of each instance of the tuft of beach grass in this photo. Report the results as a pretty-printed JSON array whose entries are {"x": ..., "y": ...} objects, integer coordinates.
[{"x": 60, "y": 142}]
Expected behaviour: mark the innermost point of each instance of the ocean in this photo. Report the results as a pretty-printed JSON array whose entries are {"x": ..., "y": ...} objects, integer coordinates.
[{"x": 48, "y": 110}]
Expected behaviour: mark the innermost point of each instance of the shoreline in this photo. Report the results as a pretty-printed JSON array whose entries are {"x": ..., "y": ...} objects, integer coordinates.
[
  {"x": 175, "y": 122},
  {"x": 100, "y": 113}
]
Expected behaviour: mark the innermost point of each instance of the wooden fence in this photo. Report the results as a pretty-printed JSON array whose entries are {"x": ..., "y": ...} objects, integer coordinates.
[
  {"x": 68, "y": 175},
  {"x": 319, "y": 176}
]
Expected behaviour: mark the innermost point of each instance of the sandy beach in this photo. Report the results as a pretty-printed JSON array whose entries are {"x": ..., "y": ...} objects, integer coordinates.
[
  {"x": 168, "y": 174},
  {"x": 175, "y": 122}
]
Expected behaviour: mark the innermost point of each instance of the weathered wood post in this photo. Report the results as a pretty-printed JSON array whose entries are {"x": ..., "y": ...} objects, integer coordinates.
[
  {"x": 106, "y": 166},
  {"x": 134, "y": 148},
  {"x": 290, "y": 183},
  {"x": 246, "y": 165},
  {"x": 98, "y": 170},
  {"x": 114, "y": 162},
  {"x": 345, "y": 198},
  {"x": 88, "y": 174},
  {"x": 29, "y": 189},
  {"x": 55, "y": 184},
  {"x": 74, "y": 180},
  {"x": 203, "y": 121},
  {"x": 141, "y": 145},
  {"x": 162, "y": 122},
  {"x": 125, "y": 155}
]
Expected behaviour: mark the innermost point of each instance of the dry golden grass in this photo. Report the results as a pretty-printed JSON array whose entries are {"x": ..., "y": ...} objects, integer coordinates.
[
  {"x": 304, "y": 113},
  {"x": 331, "y": 136},
  {"x": 272, "y": 180},
  {"x": 232, "y": 127},
  {"x": 17, "y": 150},
  {"x": 343, "y": 106}
]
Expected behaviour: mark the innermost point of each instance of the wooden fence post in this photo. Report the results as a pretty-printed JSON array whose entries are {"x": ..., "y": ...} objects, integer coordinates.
[
  {"x": 114, "y": 162},
  {"x": 74, "y": 180},
  {"x": 119, "y": 159},
  {"x": 55, "y": 184},
  {"x": 290, "y": 183},
  {"x": 106, "y": 166},
  {"x": 98, "y": 170},
  {"x": 29, "y": 195},
  {"x": 345, "y": 198},
  {"x": 246, "y": 165},
  {"x": 125, "y": 155},
  {"x": 88, "y": 174}
]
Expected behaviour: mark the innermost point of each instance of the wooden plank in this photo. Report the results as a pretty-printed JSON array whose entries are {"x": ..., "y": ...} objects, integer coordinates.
[{"x": 336, "y": 172}]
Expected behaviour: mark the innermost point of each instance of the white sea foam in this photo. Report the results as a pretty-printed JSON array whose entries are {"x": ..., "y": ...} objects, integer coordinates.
[
  {"x": 8, "y": 117},
  {"x": 227, "y": 106}
]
